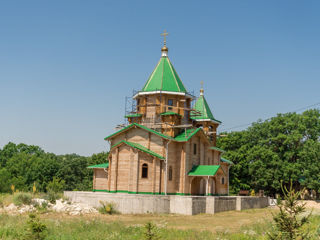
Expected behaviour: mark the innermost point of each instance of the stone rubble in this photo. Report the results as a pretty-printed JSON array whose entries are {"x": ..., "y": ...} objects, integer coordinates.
[{"x": 60, "y": 206}]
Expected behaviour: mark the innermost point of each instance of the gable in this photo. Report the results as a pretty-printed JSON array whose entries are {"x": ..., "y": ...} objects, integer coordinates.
[
  {"x": 136, "y": 125},
  {"x": 138, "y": 147}
]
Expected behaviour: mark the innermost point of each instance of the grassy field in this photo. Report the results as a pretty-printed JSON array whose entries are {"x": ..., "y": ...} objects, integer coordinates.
[{"x": 249, "y": 224}]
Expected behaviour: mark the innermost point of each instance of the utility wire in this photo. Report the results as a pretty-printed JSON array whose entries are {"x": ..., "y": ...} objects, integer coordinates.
[{"x": 248, "y": 124}]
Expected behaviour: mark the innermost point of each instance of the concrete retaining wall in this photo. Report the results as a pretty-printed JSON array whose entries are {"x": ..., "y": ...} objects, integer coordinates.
[
  {"x": 124, "y": 203},
  {"x": 186, "y": 205},
  {"x": 251, "y": 202},
  {"x": 222, "y": 204}
]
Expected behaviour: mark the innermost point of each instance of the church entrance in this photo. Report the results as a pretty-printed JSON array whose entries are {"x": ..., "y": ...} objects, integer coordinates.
[{"x": 198, "y": 186}]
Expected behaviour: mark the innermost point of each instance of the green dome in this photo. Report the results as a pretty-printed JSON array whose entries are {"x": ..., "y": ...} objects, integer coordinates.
[{"x": 204, "y": 109}]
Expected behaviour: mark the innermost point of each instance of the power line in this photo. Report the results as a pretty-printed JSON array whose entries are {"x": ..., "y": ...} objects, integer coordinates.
[{"x": 248, "y": 124}]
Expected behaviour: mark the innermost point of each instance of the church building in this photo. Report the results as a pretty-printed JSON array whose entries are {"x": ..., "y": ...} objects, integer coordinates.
[{"x": 168, "y": 146}]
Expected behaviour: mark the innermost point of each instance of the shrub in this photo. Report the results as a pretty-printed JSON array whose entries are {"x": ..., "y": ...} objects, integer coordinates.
[
  {"x": 56, "y": 185},
  {"x": 252, "y": 193},
  {"x": 52, "y": 196},
  {"x": 1, "y": 202},
  {"x": 12, "y": 187},
  {"x": 107, "y": 208},
  {"x": 36, "y": 229},
  {"x": 22, "y": 198},
  {"x": 151, "y": 231}
]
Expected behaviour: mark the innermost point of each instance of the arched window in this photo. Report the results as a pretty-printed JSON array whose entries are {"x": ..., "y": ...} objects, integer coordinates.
[
  {"x": 222, "y": 180},
  {"x": 144, "y": 172},
  {"x": 170, "y": 173}
]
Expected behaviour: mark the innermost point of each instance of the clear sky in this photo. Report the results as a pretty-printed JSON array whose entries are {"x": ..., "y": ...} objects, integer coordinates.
[{"x": 66, "y": 66}]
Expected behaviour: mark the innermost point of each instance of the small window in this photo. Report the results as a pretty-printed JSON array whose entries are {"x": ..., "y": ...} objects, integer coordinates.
[
  {"x": 144, "y": 173},
  {"x": 194, "y": 149},
  {"x": 222, "y": 180},
  {"x": 170, "y": 104},
  {"x": 170, "y": 173},
  {"x": 138, "y": 104}
]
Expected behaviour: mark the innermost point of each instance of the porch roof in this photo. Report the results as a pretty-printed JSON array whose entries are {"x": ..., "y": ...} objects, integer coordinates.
[
  {"x": 204, "y": 170},
  {"x": 226, "y": 161},
  {"x": 102, "y": 165}
]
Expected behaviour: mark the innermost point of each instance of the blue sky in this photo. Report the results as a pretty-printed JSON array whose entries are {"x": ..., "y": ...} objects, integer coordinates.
[{"x": 66, "y": 66}]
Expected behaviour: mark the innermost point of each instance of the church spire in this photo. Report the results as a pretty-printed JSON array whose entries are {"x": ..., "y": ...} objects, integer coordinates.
[{"x": 164, "y": 49}]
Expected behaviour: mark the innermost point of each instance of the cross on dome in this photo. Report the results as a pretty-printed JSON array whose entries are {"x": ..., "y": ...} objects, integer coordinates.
[
  {"x": 201, "y": 90},
  {"x": 164, "y": 34},
  {"x": 164, "y": 49}
]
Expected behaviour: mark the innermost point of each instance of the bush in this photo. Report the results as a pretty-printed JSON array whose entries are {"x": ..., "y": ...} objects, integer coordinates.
[
  {"x": 151, "y": 231},
  {"x": 52, "y": 196},
  {"x": 22, "y": 198},
  {"x": 252, "y": 193},
  {"x": 56, "y": 185},
  {"x": 107, "y": 208},
  {"x": 36, "y": 229}
]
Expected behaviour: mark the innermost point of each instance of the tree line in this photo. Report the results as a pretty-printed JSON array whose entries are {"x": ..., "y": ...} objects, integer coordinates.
[
  {"x": 24, "y": 166},
  {"x": 283, "y": 148}
]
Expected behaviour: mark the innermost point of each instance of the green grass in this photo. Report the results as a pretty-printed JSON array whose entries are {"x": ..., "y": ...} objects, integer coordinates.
[{"x": 100, "y": 227}]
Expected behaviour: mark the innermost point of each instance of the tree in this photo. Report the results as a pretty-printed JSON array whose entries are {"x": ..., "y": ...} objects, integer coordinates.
[
  {"x": 288, "y": 223},
  {"x": 282, "y": 148},
  {"x": 23, "y": 165}
]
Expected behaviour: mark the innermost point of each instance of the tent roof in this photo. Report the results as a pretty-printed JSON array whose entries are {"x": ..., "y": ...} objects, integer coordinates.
[
  {"x": 202, "y": 106},
  {"x": 164, "y": 78}
]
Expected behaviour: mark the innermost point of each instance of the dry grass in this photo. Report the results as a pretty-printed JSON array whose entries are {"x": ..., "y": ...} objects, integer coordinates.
[{"x": 231, "y": 221}]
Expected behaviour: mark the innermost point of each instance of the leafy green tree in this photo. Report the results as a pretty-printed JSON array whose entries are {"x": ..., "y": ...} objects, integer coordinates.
[
  {"x": 282, "y": 148},
  {"x": 4, "y": 180},
  {"x": 22, "y": 165}
]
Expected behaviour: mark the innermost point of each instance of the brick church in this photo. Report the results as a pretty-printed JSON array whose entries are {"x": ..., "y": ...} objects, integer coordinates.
[{"x": 168, "y": 146}]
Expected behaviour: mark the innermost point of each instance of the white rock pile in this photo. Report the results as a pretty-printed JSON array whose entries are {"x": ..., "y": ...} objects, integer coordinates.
[
  {"x": 60, "y": 206},
  {"x": 73, "y": 208}
]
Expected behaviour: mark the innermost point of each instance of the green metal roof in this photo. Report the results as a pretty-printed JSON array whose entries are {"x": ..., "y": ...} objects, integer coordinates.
[
  {"x": 217, "y": 149},
  {"x": 139, "y": 147},
  {"x": 226, "y": 161},
  {"x": 102, "y": 165},
  {"x": 204, "y": 109},
  {"x": 186, "y": 135},
  {"x": 133, "y": 115},
  {"x": 204, "y": 170},
  {"x": 169, "y": 113},
  {"x": 164, "y": 78},
  {"x": 140, "y": 126}
]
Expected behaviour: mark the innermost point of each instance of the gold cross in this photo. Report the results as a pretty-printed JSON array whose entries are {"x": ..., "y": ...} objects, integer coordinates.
[
  {"x": 201, "y": 84},
  {"x": 164, "y": 34}
]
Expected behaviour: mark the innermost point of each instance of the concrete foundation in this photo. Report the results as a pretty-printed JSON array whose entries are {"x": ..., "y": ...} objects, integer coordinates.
[{"x": 186, "y": 205}]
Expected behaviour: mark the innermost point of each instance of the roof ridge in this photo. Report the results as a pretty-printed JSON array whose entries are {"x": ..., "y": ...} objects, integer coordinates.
[
  {"x": 139, "y": 147},
  {"x": 175, "y": 79},
  {"x": 141, "y": 126}
]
